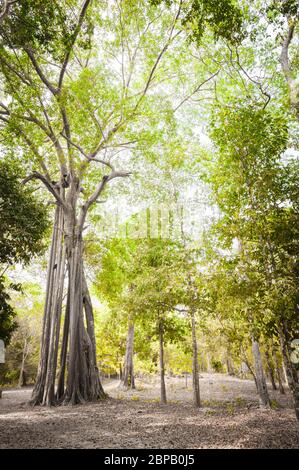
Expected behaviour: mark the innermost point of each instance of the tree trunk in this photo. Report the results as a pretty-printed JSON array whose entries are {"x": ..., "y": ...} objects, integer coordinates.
[
  {"x": 292, "y": 378},
  {"x": 195, "y": 372},
  {"x": 259, "y": 375},
  {"x": 247, "y": 363},
  {"x": 278, "y": 375},
  {"x": 209, "y": 367},
  {"x": 162, "y": 366},
  {"x": 78, "y": 378},
  {"x": 229, "y": 365},
  {"x": 284, "y": 373},
  {"x": 22, "y": 376},
  {"x": 270, "y": 370},
  {"x": 128, "y": 380}
]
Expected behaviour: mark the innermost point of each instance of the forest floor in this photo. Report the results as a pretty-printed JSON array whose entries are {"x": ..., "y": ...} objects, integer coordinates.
[{"x": 230, "y": 418}]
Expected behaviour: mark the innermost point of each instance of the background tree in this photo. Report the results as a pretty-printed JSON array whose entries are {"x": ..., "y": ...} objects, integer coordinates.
[
  {"x": 24, "y": 224},
  {"x": 23, "y": 350},
  {"x": 252, "y": 204}
]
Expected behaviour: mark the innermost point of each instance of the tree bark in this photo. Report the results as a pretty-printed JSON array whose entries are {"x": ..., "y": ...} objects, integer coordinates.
[
  {"x": 247, "y": 363},
  {"x": 284, "y": 373},
  {"x": 22, "y": 376},
  {"x": 259, "y": 375},
  {"x": 287, "y": 68},
  {"x": 40, "y": 394},
  {"x": 209, "y": 367},
  {"x": 162, "y": 365},
  {"x": 128, "y": 380},
  {"x": 78, "y": 378},
  {"x": 195, "y": 368},
  {"x": 58, "y": 286},
  {"x": 270, "y": 370},
  {"x": 95, "y": 383},
  {"x": 229, "y": 365},
  {"x": 278, "y": 374},
  {"x": 63, "y": 353}
]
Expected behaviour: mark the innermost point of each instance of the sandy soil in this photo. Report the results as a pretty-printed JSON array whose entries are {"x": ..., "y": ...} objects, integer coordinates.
[{"x": 230, "y": 418}]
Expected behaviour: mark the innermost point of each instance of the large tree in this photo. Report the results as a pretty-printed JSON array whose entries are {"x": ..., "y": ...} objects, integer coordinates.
[{"x": 74, "y": 85}]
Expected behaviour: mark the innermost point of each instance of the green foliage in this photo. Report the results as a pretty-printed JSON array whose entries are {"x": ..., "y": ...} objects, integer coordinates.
[
  {"x": 142, "y": 281},
  {"x": 24, "y": 223},
  {"x": 38, "y": 24},
  {"x": 254, "y": 281},
  {"x": 27, "y": 308},
  {"x": 286, "y": 8},
  {"x": 224, "y": 18},
  {"x": 23, "y": 218},
  {"x": 217, "y": 365},
  {"x": 7, "y": 314}
]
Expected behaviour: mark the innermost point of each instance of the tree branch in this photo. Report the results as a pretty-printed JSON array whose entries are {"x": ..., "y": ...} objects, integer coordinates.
[
  {"x": 159, "y": 57},
  {"x": 84, "y": 8},
  {"x": 195, "y": 90},
  {"x": 40, "y": 73},
  {"x": 90, "y": 158},
  {"x": 5, "y": 8},
  {"x": 49, "y": 186},
  {"x": 285, "y": 65},
  {"x": 99, "y": 189},
  {"x": 268, "y": 97}
]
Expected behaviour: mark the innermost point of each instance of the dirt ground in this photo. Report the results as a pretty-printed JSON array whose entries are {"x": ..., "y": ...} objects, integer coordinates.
[{"x": 230, "y": 418}]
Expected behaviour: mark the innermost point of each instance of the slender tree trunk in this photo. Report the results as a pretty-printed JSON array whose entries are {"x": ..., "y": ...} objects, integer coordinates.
[
  {"x": 229, "y": 365},
  {"x": 162, "y": 365},
  {"x": 278, "y": 375},
  {"x": 270, "y": 370},
  {"x": 247, "y": 363},
  {"x": 259, "y": 374},
  {"x": 292, "y": 366},
  {"x": 22, "y": 376},
  {"x": 128, "y": 380},
  {"x": 195, "y": 371},
  {"x": 209, "y": 367},
  {"x": 292, "y": 378},
  {"x": 284, "y": 373}
]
